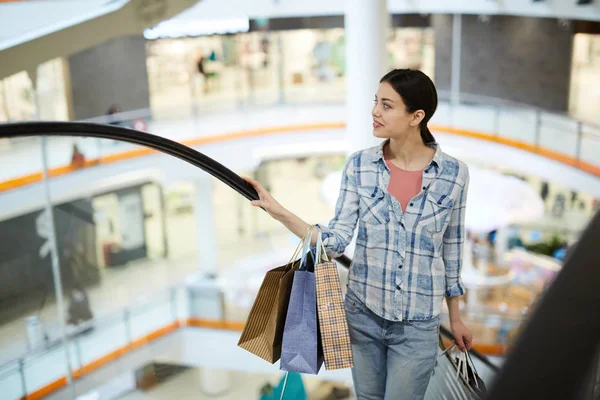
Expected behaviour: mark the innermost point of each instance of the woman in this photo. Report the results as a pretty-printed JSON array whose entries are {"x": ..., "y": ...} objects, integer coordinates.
[{"x": 408, "y": 199}]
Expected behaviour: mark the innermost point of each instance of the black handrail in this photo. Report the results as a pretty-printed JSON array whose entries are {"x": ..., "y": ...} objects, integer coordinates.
[{"x": 167, "y": 146}]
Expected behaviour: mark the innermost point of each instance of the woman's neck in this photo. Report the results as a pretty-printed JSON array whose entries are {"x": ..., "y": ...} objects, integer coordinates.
[{"x": 409, "y": 153}]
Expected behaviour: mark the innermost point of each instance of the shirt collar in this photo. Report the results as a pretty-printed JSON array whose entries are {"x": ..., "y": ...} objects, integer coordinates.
[{"x": 437, "y": 157}]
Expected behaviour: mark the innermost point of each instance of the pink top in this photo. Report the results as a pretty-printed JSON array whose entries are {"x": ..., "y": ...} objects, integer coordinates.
[{"x": 404, "y": 185}]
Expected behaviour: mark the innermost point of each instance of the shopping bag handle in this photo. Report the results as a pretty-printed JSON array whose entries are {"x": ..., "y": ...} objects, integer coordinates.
[
  {"x": 306, "y": 241},
  {"x": 284, "y": 386},
  {"x": 298, "y": 247},
  {"x": 464, "y": 360},
  {"x": 320, "y": 251}
]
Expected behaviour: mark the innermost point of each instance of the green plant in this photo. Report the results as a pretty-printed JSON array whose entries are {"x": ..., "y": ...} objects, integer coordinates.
[{"x": 547, "y": 247}]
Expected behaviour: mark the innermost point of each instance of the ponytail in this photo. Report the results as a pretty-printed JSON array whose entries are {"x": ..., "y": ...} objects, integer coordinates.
[{"x": 426, "y": 135}]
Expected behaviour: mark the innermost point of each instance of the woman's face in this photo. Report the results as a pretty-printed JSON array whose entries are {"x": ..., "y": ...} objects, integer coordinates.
[{"x": 390, "y": 118}]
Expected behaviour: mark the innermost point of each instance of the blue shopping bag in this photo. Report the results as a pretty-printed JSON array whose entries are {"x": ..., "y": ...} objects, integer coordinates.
[{"x": 301, "y": 349}]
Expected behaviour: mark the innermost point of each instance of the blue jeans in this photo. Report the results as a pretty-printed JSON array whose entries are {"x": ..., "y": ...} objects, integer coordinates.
[{"x": 392, "y": 360}]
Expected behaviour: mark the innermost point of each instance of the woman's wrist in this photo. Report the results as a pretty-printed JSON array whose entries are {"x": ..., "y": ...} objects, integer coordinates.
[
  {"x": 453, "y": 310},
  {"x": 293, "y": 223},
  {"x": 283, "y": 215}
]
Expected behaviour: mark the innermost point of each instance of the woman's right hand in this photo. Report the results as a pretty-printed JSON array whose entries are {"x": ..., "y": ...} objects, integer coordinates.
[{"x": 271, "y": 206}]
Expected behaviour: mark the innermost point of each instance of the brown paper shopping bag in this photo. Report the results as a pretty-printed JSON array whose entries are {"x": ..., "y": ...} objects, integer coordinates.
[
  {"x": 335, "y": 336},
  {"x": 263, "y": 332}
]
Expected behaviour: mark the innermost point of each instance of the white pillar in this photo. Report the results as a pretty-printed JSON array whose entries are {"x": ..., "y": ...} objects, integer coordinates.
[
  {"x": 456, "y": 58},
  {"x": 214, "y": 382},
  {"x": 206, "y": 239},
  {"x": 281, "y": 67},
  {"x": 366, "y": 24}
]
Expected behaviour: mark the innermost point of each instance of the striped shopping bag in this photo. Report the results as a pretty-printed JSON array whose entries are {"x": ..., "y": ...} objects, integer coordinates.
[
  {"x": 335, "y": 336},
  {"x": 263, "y": 332}
]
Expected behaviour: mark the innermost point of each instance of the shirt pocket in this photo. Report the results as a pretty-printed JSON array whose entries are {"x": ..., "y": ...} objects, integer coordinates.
[
  {"x": 373, "y": 207},
  {"x": 436, "y": 211}
]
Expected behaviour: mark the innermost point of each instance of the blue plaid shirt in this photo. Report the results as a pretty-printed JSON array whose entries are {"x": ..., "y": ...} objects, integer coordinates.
[{"x": 404, "y": 262}]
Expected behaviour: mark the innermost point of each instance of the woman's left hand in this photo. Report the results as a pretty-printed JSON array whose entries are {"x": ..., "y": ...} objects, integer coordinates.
[{"x": 462, "y": 335}]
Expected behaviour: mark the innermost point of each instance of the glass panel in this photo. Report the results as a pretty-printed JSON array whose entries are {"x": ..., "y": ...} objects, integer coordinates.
[
  {"x": 47, "y": 369},
  {"x": 443, "y": 114},
  {"x": 590, "y": 145},
  {"x": 517, "y": 124},
  {"x": 147, "y": 319},
  {"x": 11, "y": 381},
  {"x": 102, "y": 342},
  {"x": 559, "y": 134},
  {"x": 11, "y": 162},
  {"x": 476, "y": 117}
]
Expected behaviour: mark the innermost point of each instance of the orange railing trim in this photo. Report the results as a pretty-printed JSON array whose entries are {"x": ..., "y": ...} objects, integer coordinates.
[
  {"x": 47, "y": 390},
  {"x": 102, "y": 361},
  {"x": 131, "y": 154},
  {"x": 551, "y": 154},
  {"x": 216, "y": 324}
]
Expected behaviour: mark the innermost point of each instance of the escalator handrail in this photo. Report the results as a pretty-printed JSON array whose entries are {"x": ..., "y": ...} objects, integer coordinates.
[
  {"x": 101, "y": 131},
  {"x": 554, "y": 352}
]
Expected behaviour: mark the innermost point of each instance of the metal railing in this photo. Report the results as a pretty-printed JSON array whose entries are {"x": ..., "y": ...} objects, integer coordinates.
[
  {"x": 547, "y": 131},
  {"x": 551, "y": 134},
  {"x": 557, "y": 135},
  {"x": 92, "y": 345}
]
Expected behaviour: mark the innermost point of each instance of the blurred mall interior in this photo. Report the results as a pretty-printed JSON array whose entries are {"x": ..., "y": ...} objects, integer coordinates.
[{"x": 127, "y": 273}]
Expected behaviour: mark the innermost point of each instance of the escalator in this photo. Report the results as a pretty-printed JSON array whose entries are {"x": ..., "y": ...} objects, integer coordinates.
[{"x": 565, "y": 325}]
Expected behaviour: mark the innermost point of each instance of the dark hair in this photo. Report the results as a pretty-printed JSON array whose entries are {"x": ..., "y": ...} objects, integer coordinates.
[{"x": 418, "y": 93}]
